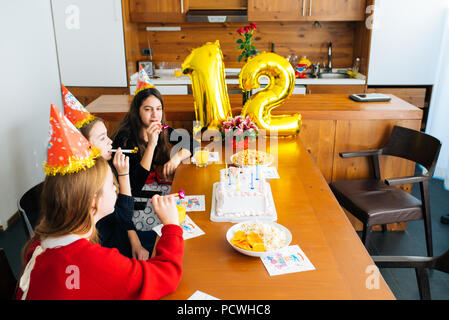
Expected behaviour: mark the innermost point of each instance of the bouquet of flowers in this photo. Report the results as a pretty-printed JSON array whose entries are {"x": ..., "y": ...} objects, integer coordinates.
[
  {"x": 246, "y": 44},
  {"x": 239, "y": 129}
]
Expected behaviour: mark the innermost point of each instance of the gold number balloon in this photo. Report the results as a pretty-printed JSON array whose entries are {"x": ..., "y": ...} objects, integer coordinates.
[
  {"x": 205, "y": 67},
  {"x": 280, "y": 87}
]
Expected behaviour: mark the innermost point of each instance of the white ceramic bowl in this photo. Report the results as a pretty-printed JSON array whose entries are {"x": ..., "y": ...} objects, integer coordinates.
[{"x": 232, "y": 230}]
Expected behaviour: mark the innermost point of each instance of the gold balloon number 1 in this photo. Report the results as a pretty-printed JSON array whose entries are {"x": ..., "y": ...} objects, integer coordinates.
[{"x": 205, "y": 67}]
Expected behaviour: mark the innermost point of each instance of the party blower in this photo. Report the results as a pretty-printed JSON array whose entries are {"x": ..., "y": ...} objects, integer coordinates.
[
  {"x": 127, "y": 150},
  {"x": 181, "y": 194}
]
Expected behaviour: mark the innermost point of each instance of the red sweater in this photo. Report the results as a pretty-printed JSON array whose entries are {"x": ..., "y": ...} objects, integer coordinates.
[{"x": 104, "y": 273}]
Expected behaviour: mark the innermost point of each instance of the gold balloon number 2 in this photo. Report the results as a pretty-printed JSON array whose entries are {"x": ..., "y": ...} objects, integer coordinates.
[
  {"x": 280, "y": 87},
  {"x": 205, "y": 67}
]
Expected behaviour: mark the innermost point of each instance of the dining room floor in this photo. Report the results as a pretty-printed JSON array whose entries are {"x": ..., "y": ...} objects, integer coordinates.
[{"x": 410, "y": 242}]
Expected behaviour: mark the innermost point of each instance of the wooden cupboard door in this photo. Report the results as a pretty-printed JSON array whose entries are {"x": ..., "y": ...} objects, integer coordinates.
[
  {"x": 218, "y": 4},
  {"x": 158, "y": 10},
  {"x": 336, "y": 10},
  {"x": 317, "y": 137},
  {"x": 278, "y": 10},
  {"x": 356, "y": 135}
]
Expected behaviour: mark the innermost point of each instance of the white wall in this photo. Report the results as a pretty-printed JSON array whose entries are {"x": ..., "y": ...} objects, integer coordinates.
[
  {"x": 29, "y": 82},
  {"x": 90, "y": 42},
  {"x": 406, "y": 42},
  {"x": 439, "y": 108}
]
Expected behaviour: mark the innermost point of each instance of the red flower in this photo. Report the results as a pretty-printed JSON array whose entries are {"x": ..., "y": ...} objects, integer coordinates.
[
  {"x": 240, "y": 31},
  {"x": 253, "y": 26},
  {"x": 247, "y": 29}
]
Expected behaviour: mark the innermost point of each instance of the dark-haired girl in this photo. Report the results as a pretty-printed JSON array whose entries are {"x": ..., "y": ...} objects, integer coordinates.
[{"x": 144, "y": 126}]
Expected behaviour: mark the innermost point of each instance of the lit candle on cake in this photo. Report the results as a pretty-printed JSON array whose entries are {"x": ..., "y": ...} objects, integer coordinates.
[
  {"x": 257, "y": 172},
  {"x": 252, "y": 182},
  {"x": 229, "y": 175}
]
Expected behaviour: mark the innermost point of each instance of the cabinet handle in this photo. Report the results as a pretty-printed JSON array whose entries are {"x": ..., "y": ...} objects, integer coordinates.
[
  {"x": 310, "y": 7},
  {"x": 182, "y": 6},
  {"x": 303, "y": 7}
]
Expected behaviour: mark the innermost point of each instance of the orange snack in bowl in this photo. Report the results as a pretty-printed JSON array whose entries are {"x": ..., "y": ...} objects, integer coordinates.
[
  {"x": 250, "y": 242},
  {"x": 259, "y": 247}
]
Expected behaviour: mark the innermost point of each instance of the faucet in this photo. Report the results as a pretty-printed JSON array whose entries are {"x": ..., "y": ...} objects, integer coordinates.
[{"x": 329, "y": 65}]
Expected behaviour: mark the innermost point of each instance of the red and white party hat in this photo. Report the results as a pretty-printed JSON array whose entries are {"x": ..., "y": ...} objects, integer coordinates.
[
  {"x": 68, "y": 150},
  {"x": 143, "y": 81},
  {"x": 74, "y": 110}
]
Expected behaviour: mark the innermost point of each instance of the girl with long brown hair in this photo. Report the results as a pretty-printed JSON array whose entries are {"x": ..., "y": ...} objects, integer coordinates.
[{"x": 145, "y": 127}]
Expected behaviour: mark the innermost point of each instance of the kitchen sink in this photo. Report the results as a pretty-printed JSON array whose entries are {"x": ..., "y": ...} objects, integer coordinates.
[{"x": 333, "y": 75}]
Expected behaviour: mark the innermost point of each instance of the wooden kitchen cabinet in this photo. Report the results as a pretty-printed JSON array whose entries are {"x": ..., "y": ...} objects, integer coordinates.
[
  {"x": 276, "y": 10},
  {"x": 218, "y": 4},
  {"x": 336, "y": 10},
  {"x": 158, "y": 10},
  {"x": 306, "y": 10}
]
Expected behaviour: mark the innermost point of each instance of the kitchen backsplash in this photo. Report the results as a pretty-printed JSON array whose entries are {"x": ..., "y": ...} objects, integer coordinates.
[{"x": 289, "y": 38}]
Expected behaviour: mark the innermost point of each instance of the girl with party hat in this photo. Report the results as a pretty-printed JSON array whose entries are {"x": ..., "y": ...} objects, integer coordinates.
[
  {"x": 62, "y": 262},
  {"x": 116, "y": 230}
]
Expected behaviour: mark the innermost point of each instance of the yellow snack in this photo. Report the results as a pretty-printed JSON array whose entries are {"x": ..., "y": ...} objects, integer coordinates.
[
  {"x": 250, "y": 242},
  {"x": 259, "y": 247}
]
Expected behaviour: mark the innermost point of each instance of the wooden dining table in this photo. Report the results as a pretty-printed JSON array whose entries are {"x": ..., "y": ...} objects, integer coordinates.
[{"x": 306, "y": 206}]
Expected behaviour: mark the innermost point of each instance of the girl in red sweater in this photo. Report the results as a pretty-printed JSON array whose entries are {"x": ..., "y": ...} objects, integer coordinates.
[{"x": 61, "y": 260}]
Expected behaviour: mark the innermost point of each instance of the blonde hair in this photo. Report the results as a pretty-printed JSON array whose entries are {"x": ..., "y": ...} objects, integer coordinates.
[
  {"x": 66, "y": 203},
  {"x": 85, "y": 130}
]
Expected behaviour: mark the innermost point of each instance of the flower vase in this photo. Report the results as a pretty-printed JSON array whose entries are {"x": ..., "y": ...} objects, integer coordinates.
[{"x": 242, "y": 144}]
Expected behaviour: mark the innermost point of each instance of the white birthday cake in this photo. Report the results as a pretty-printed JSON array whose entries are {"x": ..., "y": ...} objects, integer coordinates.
[{"x": 243, "y": 192}]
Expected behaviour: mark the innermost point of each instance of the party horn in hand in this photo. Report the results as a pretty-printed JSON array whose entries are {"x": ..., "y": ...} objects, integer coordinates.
[
  {"x": 163, "y": 127},
  {"x": 181, "y": 194},
  {"x": 127, "y": 150}
]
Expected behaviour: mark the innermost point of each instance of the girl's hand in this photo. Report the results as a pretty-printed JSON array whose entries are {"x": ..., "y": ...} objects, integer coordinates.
[
  {"x": 121, "y": 162},
  {"x": 140, "y": 253},
  {"x": 170, "y": 167},
  {"x": 153, "y": 132},
  {"x": 165, "y": 208}
]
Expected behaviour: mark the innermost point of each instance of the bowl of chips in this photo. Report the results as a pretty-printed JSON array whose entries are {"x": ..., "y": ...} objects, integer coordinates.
[
  {"x": 252, "y": 157},
  {"x": 256, "y": 238}
]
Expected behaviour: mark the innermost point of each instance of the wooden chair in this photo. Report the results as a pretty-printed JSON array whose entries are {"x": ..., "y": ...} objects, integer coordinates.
[
  {"x": 8, "y": 281},
  {"x": 29, "y": 208},
  {"x": 377, "y": 202},
  {"x": 421, "y": 266}
]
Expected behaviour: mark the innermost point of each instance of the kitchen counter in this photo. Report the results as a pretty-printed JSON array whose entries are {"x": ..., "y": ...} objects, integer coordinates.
[
  {"x": 168, "y": 79},
  {"x": 185, "y": 80},
  {"x": 311, "y": 107}
]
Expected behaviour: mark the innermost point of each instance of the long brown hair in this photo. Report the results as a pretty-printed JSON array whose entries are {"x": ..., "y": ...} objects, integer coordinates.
[
  {"x": 132, "y": 125},
  {"x": 66, "y": 203}
]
